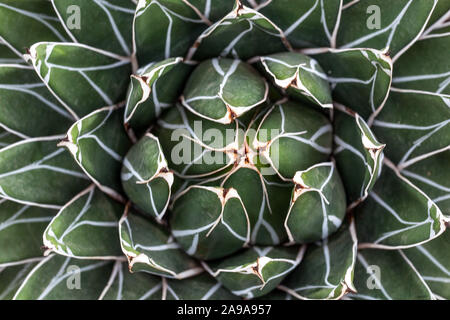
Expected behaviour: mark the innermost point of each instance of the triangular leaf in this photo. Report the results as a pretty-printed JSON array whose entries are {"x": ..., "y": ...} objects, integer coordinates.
[
  {"x": 86, "y": 227},
  {"x": 326, "y": 271},
  {"x": 82, "y": 78},
  {"x": 397, "y": 214},
  {"x": 23, "y": 23},
  {"x": 37, "y": 172},
  {"x": 98, "y": 143},
  {"x": 366, "y": 73},
  {"x": 63, "y": 278},
  {"x": 150, "y": 248},
  {"x": 28, "y": 108},
  {"x": 358, "y": 154}
]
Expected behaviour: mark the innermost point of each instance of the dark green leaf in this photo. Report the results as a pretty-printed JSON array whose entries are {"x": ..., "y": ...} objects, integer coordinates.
[
  {"x": 256, "y": 271},
  {"x": 150, "y": 248},
  {"x": 326, "y": 270},
  {"x": 113, "y": 20},
  {"x": 28, "y": 108},
  {"x": 37, "y": 172},
  {"x": 360, "y": 78},
  {"x": 305, "y": 23},
  {"x": 21, "y": 229},
  {"x": 11, "y": 278},
  {"x": 358, "y": 154},
  {"x": 210, "y": 222},
  {"x": 82, "y": 78},
  {"x": 164, "y": 29},
  {"x": 388, "y": 275},
  {"x": 157, "y": 87},
  {"x": 318, "y": 204},
  {"x": 86, "y": 227},
  {"x": 397, "y": 214},
  {"x": 146, "y": 178},
  {"x": 239, "y": 35},
  {"x": 98, "y": 143}
]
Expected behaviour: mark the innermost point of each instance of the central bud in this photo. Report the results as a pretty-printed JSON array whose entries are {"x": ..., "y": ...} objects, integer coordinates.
[
  {"x": 227, "y": 135},
  {"x": 250, "y": 167}
]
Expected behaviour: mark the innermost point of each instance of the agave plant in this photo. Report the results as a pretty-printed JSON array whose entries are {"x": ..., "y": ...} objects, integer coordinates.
[{"x": 223, "y": 149}]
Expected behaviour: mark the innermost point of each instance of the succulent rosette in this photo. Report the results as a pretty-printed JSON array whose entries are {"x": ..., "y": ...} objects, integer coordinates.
[{"x": 223, "y": 149}]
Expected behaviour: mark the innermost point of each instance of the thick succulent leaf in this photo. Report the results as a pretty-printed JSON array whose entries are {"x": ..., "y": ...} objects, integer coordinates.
[
  {"x": 432, "y": 261},
  {"x": 266, "y": 199},
  {"x": 63, "y": 278},
  {"x": 239, "y": 35},
  {"x": 146, "y": 178},
  {"x": 124, "y": 285},
  {"x": 293, "y": 137},
  {"x": 264, "y": 194},
  {"x": 318, "y": 204},
  {"x": 301, "y": 76},
  {"x": 397, "y": 214},
  {"x": 256, "y": 271},
  {"x": 82, "y": 78},
  {"x": 366, "y": 73},
  {"x": 86, "y": 227},
  {"x": 414, "y": 125},
  {"x": 113, "y": 20},
  {"x": 388, "y": 275},
  {"x": 392, "y": 25},
  {"x": 23, "y": 23},
  {"x": 36, "y": 172},
  {"x": 222, "y": 90},
  {"x": 201, "y": 287},
  {"x": 12, "y": 277},
  {"x": 432, "y": 176},
  {"x": 21, "y": 230},
  {"x": 157, "y": 87},
  {"x": 210, "y": 223},
  {"x": 424, "y": 66},
  {"x": 98, "y": 143},
  {"x": 28, "y": 108},
  {"x": 150, "y": 248},
  {"x": 196, "y": 147},
  {"x": 326, "y": 271},
  {"x": 440, "y": 14},
  {"x": 165, "y": 28},
  {"x": 7, "y": 138},
  {"x": 358, "y": 154},
  {"x": 313, "y": 23},
  {"x": 7, "y": 56}
]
